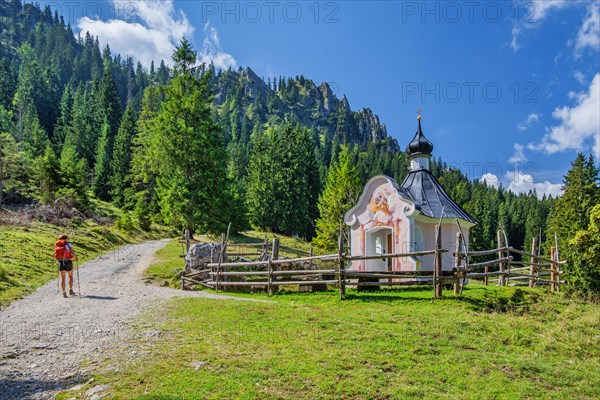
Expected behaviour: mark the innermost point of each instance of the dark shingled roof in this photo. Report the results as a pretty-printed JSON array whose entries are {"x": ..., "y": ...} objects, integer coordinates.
[{"x": 430, "y": 198}]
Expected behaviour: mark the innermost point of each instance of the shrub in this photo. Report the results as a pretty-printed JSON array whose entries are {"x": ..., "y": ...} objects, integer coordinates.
[
  {"x": 125, "y": 223},
  {"x": 142, "y": 213},
  {"x": 583, "y": 271}
]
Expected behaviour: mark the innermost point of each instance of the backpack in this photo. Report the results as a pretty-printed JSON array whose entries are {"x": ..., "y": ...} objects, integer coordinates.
[{"x": 62, "y": 250}]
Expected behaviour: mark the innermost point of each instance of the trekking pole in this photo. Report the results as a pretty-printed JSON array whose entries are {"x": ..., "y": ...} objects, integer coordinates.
[
  {"x": 78, "y": 280},
  {"x": 58, "y": 281}
]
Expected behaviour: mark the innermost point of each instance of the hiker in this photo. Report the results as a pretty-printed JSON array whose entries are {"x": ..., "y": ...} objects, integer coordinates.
[{"x": 63, "y": 252}]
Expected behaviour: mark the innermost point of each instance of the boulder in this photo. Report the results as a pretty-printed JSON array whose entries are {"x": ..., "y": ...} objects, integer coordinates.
[{"x": 200, "y": 255}]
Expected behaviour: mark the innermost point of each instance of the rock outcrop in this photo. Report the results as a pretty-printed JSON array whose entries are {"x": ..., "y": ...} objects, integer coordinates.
[{"x": 300, "y": 100}]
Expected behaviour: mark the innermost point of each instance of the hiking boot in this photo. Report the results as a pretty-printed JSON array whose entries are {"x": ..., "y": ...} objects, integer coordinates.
[
  {"x": 72, "y": 293},
  {"x": 65, "y": 295}
]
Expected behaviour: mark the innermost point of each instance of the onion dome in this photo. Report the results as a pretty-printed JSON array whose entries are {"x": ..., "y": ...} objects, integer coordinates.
[{"x": 420, "y": 145}]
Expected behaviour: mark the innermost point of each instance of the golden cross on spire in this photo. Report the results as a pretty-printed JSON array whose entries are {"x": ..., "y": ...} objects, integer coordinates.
[{"x": 419, "y": 111}]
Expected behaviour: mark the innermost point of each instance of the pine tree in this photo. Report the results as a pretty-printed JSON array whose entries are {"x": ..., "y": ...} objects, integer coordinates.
[
  {"x": 535, "y": 221},
  {"x": 584, "y": 275},
  {"x": 143, "y": 169},
  {"x": 341, "y": 193},
  {"x": 34, "y": 138},
  {"x": 187, "y": 147},
  {"x": 102, "y": 166},
  {"x": 571, "y": 211},
  {"x": 47, "y": 175},
  {"x": 63, "y": 124},
  {"x": 341, "y": 126},
  {"x": 73, "y": 176},
  {"x": 85, "y": 126},
  {"x": 11, "y": 161},
  {"x": 120, "y": 178},
  {"x": 260, "y": 198},
  {"x": 7, "y": 84},
  {"x": 163, "y": 73},
  {"x": 109, "y": 107},
  {"x": 283, "y": 182}
]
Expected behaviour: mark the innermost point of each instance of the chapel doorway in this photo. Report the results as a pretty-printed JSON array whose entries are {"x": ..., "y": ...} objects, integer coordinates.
[{"x": 379, "y": 241}]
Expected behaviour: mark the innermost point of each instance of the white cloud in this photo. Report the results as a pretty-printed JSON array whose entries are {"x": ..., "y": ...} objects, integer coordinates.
[
  {"x": 518, "y": 183},
  {"x": 153, "y": 36},
  {"x": 514, "y": 43},
  {"x": 531, "y": 118},
  {"x": 579, "y": 124},
  {"x": 519, "y": 156},
  {"x": 490, "y": 179},
  {"x": 541, "y": 8},
  {"x": 531, "y": 15},
  {"x": 524, "y": 183},
  {"x": 589, "y": 32},
  {"x": 212, "y": 51},
  {"x": 579, "y": 76}
]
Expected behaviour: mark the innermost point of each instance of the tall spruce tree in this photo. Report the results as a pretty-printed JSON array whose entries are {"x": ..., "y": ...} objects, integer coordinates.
[
  {"x": 260, "y": 196},
  {"x": 120, "y": 179},
  {"x": 7, "y": 84},
  {"x": 283, "y": 182},
  {"x": 584, "y": 275},
  {"x": 188, "y": 151},
  {"x": 571, "y": 211},
  {"x": 109, "y": 106},
  {"x": 341, "y": 193},
  {"x": 63, "y": 124},
  {"x": 13, "y": 171},
  {"x": 143, "y": 194},
  {"x": 85, "y": 125},
  {"x": 74, "y": 174},
  {"x": 47, "y": 175}
]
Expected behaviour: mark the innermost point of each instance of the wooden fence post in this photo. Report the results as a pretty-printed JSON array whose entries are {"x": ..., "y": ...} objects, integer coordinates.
[
  {"x": 501, "y": 278},
  {"x": 222, "y": 258},
  {"x": 457, "y": 261},
  {"x": 274, "y": 256},
  {"x": 223, "y": 244},
  {"x": 187, "y": 241},
  {"x": 310, "y": 254},
  {"x": 437, "y": 273},
  {"x": 557, "y": 259},
  {"x": 341, "y": 265},
  {"x": 486, "y": 269},
  {"x": 533, "y": 267},
  {"x": 553, "y": 267}
]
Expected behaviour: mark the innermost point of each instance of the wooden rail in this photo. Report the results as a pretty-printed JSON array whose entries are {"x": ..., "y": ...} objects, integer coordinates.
[
  {"x": 539, "y": 258},
  {"x": 271, "y": 273},
  {"x": 489, "y": 263},
  {"x": 480, "y": 253}
]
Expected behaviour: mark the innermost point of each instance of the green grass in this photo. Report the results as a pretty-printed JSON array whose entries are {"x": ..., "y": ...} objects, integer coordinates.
[
  {"x": 381, "y": 345},
  {"x": 164, "y": 271},
  {"x": 26, "y": 251},
  {"x": 167, "y": 264},
  {"x": 288, "y": 246}
]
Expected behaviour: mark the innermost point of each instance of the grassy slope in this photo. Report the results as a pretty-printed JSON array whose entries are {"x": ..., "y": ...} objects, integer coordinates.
[
  {"x": 389, "y": 344},
  {"x": 287, "y": 245},
  {"x": 164, "y": 271},
  {"x": 26, "y": 252}
]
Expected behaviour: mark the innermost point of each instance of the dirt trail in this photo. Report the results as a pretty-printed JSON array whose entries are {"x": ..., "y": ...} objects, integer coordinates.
[{"x": 44, "y": 338}]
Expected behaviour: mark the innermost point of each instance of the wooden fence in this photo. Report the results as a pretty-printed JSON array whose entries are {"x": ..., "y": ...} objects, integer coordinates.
[{"x": 310, "y": 272}]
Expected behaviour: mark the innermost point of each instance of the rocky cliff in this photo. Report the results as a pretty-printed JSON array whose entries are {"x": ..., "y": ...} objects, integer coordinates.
[{"x": 251, "y": 100}]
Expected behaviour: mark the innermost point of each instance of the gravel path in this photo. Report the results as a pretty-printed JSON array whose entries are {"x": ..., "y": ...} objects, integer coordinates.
[{"x": 44, "y": 338}]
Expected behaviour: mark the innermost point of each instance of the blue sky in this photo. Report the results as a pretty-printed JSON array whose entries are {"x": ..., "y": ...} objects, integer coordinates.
[{"x": 509, "y": 91}]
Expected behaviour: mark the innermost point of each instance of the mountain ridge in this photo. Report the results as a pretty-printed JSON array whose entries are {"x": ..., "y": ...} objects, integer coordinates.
[{"x": 312, "y": 105}]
